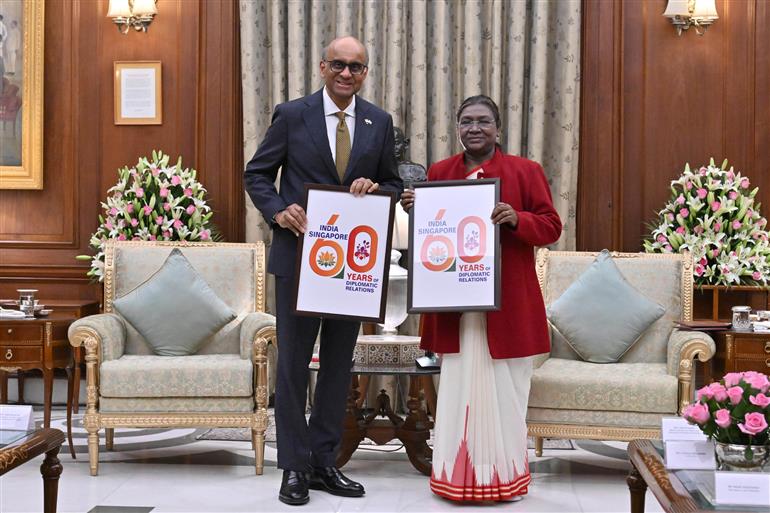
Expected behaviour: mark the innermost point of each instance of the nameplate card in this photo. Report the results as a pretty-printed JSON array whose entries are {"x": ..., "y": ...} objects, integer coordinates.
[
  {"x": 690, "y": 454},
  {"x": 15, "y": 417},
  {"x": 742, "y": 488},
  {"x": 677, "y": 428}
]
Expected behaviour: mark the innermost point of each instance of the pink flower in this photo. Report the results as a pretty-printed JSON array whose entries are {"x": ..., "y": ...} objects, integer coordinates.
[
  {"x": 756, "y": 380},
  {"x": 735, "y": 394},
  {"x": 702, "y": 193},
  {"x": 704, "y": 393},
  {"x": 140, "y": 193},
  {"x": 134, "y": 222},
  {"x": 154, "y": 170},
  {"x": 188, "y": 192},
  {"x": 178, "y": 224},
  {"x": 661, "y": 238},
  {"x": 736, "y": 225},
  {"x": 159, "y": 220},
  {"x": 760, "y": 400},
  {"x": 108, "y": 224},
  {"x": 744, "y": 183},
  {"x": 715, "y": 205},
  {"x": 130, "y": 208},
  {"x": 166, "y": 234},
  {"x": 697, "y": 413},
  {"x": 699, "y": 270},
  {"x": 731, "y": 174},
  {"x": 147, "y": 210},
  {"x": 670, "y": 216},
  {"x": 717, "y": 228},
  {"x": 668, "y": 248},
  {"x": 719, "y": 391},
  {"x": 163, "y": 192},
  {"x": 205, "y": 235},
  {"x": 703, "y": 261},
  {"x": 756, "y": 275},
  {"x": 113, "y": 211},
  {"x": 175, "y": 180},
  {"x": 723, "y": 419},
  {"x": 680, "y": 200},
  {"x": 167, "y": 206},
  {"x": 702, "y": 171},
  {"x": 190, "y": 210},
  {"x": 121, "y": 237},
  {"x": 136, "y": 237},
  {"x": 698, "y": 230},
  {"x": 680, "y": 230},
  {"x": 153, "y": 237},
  {"x": 732, "y": 195},
  {"x": 684, "y": 212},
  {"x": 688, "y": 185},
  {"x": 754, "y": 423}
]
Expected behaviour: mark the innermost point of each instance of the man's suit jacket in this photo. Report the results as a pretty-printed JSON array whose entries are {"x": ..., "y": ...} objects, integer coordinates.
[{"x": 296, "y": 141}]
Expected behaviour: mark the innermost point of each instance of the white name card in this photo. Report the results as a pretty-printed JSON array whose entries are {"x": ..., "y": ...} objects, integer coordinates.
[
  {"x": 742, "y": 488},
  {"x": 16, "y": 417},
  {"x": 677, "y": 428},
  {"x": 690, "y": 454}
]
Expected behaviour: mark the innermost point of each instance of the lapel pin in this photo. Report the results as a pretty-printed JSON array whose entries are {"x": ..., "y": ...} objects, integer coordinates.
[{"x": 367, "y": 121}]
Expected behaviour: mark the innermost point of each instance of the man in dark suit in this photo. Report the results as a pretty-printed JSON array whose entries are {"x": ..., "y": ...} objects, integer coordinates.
[{"x": 330, "y": 137}]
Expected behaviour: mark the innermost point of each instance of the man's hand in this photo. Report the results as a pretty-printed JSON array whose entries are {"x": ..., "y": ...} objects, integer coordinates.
[
  {"x": 503, "y": 213},
  {"x": 407, "y": 199},
  {"x": 362, "y": 186},
  {"x": 293, "y": 218}
]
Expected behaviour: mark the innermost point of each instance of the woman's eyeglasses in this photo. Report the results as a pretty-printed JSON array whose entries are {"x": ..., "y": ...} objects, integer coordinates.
[
  {"x": 484, "y": 124},
  {"x": 356, "y": 68}
]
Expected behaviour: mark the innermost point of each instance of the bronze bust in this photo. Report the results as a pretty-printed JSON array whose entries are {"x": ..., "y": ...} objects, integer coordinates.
[{"x": 409, "y": 171}]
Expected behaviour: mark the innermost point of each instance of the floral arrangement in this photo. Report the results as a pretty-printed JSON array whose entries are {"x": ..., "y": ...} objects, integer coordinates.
[
  {"x": 151, "y": 201},
  {"x": 734, "y": 411},
  {"x": 712, "y": 214}
]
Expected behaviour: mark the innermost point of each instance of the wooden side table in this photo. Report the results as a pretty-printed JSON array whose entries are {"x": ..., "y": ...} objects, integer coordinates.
[
  {"x": 739, "y": 351},
  {"x": 28, "y": 446},
  {"x": 37, "y": 343}
]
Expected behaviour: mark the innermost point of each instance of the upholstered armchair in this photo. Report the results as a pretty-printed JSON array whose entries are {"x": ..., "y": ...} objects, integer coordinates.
[
  {"x": 575, "y": 399},
  {"x": 223, "y": 384}
]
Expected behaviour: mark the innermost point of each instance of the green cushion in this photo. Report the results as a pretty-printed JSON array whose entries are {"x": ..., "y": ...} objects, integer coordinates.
[
  {"x": 175, "y": 310},
  {"x": 601, "y": 315}
]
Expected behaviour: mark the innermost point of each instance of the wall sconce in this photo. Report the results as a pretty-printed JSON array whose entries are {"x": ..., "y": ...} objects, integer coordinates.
[
  {"x": 132, "y": 13},
  {"x": 696, "y": 13}
]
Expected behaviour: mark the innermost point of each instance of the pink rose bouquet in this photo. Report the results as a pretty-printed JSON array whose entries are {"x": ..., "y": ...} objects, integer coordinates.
[
  {"x": 712, "y": 213},
  {"x": 734, "y": 411},
  {"x": 152, "y": 201}
]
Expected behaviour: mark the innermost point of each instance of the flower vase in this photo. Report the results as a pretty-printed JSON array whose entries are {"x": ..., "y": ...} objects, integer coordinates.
[{"x": 735, "y": 457}]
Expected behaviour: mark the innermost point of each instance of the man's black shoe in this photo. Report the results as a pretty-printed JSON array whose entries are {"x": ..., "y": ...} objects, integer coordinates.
[
  {"x": 294, "y": 488},
  {"x": 334, "y": 482}
]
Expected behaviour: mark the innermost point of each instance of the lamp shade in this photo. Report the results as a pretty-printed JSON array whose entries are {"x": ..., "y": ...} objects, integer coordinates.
[
  {"x": 144, "y": 7},
  {"x": 118, "y": 9},
  {"x": 677, "y": 8},
  {"x": 705, "y": 10}
]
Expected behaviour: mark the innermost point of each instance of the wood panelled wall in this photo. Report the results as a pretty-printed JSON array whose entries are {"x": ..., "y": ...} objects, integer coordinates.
[
  {"x": 41, "y": 232},
  {"x": 653, "y": 101}
]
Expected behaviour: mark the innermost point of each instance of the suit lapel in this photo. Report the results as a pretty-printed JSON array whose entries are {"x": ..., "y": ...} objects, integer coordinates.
[
  {"x": 315, "y": 123},
  {"x": 361, "y": 137}
]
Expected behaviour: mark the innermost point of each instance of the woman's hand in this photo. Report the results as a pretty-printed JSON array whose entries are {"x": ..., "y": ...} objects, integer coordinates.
[
  {"x": 503, "y": 213},
  {"x": 407, "y": 199}
]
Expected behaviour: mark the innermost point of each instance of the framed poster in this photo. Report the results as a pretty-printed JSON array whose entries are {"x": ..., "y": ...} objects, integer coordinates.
[
  {"x": 454, "y": 262},
  {"x": 21, "y": 94},
  {"x": 138, "y": 95},
  {"x": 344, "y": 254}
]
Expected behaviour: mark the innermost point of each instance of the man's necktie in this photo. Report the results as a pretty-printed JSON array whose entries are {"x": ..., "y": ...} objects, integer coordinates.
[{"x": 343, "y": 146}]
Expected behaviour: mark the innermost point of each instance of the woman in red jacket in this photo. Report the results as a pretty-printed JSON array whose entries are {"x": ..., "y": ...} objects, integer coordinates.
[{"x": 480, "y": 449}]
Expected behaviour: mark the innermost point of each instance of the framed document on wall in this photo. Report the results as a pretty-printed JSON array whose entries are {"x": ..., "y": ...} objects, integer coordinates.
[
  {"x": 138, "y": 94},
  {"x": 454, "y": 247},
  {"x": 342, "y": 269}
]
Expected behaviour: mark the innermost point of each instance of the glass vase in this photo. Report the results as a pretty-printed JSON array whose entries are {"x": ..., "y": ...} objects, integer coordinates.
[{"x": 734, "y": 457}]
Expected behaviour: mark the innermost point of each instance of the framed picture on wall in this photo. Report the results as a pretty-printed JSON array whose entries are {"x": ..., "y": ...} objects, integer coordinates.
[
  {"x": 454, "y": 262},
  {"x": 342, "y": 270},
  {"x": 21, "y": 94},
  {"x": 138, "y": 94}
]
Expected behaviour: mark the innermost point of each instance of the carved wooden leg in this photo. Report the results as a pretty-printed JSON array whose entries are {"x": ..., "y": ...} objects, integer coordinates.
[
  {"x": 363, "y": 388},
  {"x": 258, "y": 441},
  {"x": 47, "y": 396},
  {"x": 93, "y": 449},
  {"x": 429, "y": 390},
  {"x": 76, "y": 355},
  {"x": 109, "y": 438},
  {"x": 51, "y": 470},
  {"x": 638, "y": 488},
  {"x": 538, "y": 446},
  {"x": 415, "y": 431},
  {"x": 69, "y": 412},
  {"x": 3, "y": 387},
  {"x": 20, "y": 386}
]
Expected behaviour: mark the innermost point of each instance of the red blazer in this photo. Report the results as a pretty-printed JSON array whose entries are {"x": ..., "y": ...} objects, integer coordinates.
[{"x": 519, "y": 328}]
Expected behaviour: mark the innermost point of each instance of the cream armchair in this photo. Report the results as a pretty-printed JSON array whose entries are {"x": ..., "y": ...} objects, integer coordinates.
[
  {"x": 574, "y": 399},
  {"x": 223, "y": 385}
]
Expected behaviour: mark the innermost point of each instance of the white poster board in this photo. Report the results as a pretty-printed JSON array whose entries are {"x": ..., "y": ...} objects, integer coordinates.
[
  {"x": 343, "y": 268},
  {"x": 454, "y": 262}
]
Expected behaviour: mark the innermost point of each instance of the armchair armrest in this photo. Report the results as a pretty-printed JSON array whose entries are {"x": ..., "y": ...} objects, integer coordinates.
[
  {"x": 254, "y": 325},
  {"x": 108, "y": 332},
  {"x": 683, "y": 347}
]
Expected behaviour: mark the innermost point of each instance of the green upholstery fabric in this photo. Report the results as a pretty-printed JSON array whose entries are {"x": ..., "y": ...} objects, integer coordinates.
[
  {"x": 250, "y": 325},
  {"x": 176, "y": 405},
  {"x": 175, "y": 310},
  {"x": 601, "y": 418},
  {"x": 678, "y": 339},
  {"x": 601, "y": 315},
  {"x": 624, "y": 387},
  {"x": 221, "y": 375},
  {"x": 112, "y": 330}
]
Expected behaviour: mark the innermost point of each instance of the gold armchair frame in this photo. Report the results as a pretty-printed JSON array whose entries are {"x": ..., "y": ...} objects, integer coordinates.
[
  {"x": 94, "y": 420},
  {"x": 695, "y": 348}
]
